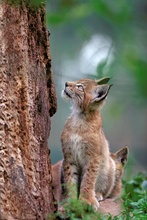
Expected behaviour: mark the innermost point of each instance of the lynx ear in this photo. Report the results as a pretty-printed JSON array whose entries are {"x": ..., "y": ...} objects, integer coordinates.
[
  {"x": 101, "y": 93},
  {"x": 103, "y": 80},
  {"x": 122, "y": 155}
]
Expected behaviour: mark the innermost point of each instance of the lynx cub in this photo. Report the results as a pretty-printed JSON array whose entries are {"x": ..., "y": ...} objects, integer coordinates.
[
  {"x": 85, "y": 149},
  {"x": 120, "y": 158}
]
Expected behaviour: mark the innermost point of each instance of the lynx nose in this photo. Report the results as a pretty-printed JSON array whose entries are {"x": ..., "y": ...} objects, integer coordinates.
[{"x": 66, "y": 84}]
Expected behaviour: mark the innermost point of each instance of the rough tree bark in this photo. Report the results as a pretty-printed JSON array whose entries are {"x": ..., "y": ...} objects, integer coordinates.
[{"x": 27, "y": 101}]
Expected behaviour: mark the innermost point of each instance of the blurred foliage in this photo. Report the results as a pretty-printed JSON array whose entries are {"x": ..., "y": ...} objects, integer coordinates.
[
  {"x": 36, "y": 3},
  {"x": 124, "y": 22},
  {"x": 135, "y": 197}
]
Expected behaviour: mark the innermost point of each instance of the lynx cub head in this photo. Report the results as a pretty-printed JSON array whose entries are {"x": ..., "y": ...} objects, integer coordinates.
[{"x": 86, "y": 94}]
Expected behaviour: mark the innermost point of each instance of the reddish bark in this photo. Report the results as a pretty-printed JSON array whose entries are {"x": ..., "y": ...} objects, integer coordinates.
[{"x": 27, "y": 100}]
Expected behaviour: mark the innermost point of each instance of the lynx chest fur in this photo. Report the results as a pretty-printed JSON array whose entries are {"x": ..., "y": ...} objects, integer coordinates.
[
  {"x": 85, "y": 148},
  {"x": 83, "y": 140}
]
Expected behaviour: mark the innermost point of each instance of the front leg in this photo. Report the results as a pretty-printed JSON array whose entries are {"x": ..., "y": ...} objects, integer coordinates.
[
  {"x": 69, "y": 184},
  {"x": 87, "y": 188},
  {"x": 70, "y": 179}
]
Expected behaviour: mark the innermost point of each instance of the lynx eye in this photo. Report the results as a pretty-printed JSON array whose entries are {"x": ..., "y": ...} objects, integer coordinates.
[{"x": 80, "y": 87}]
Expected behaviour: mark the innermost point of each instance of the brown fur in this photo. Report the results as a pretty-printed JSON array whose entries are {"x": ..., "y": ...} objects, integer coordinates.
[
  {"x": 120, "y": 158},
  {"x": 86, "y": 164},
  {"x": 56, "y": 180}
]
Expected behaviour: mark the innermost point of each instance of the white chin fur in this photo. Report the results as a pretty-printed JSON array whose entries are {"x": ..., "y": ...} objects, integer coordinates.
[{"x": 64, "y": 96}]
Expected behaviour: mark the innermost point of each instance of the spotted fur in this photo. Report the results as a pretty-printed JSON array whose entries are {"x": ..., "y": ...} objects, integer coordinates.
[
  {"x": 85, "y": 148},
  {"x": 119, "y": 158}
]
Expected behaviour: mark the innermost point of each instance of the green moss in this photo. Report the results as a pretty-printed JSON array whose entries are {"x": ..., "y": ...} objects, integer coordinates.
[{"x": 29, "y": 3}]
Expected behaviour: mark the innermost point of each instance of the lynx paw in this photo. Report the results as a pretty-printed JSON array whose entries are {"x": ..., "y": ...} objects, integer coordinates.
[
  {"x": 93, "y": 203},
  {"x": 99, "y": 196}
]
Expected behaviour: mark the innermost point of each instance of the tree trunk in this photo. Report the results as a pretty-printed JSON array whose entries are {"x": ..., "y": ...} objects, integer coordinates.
[{"x": 27, "y": 100}]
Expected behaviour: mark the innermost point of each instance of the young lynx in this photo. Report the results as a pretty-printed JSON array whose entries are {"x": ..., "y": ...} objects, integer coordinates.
[
  {"x": 119, "y": 158},
  {"x": 85, "y": 148}
]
